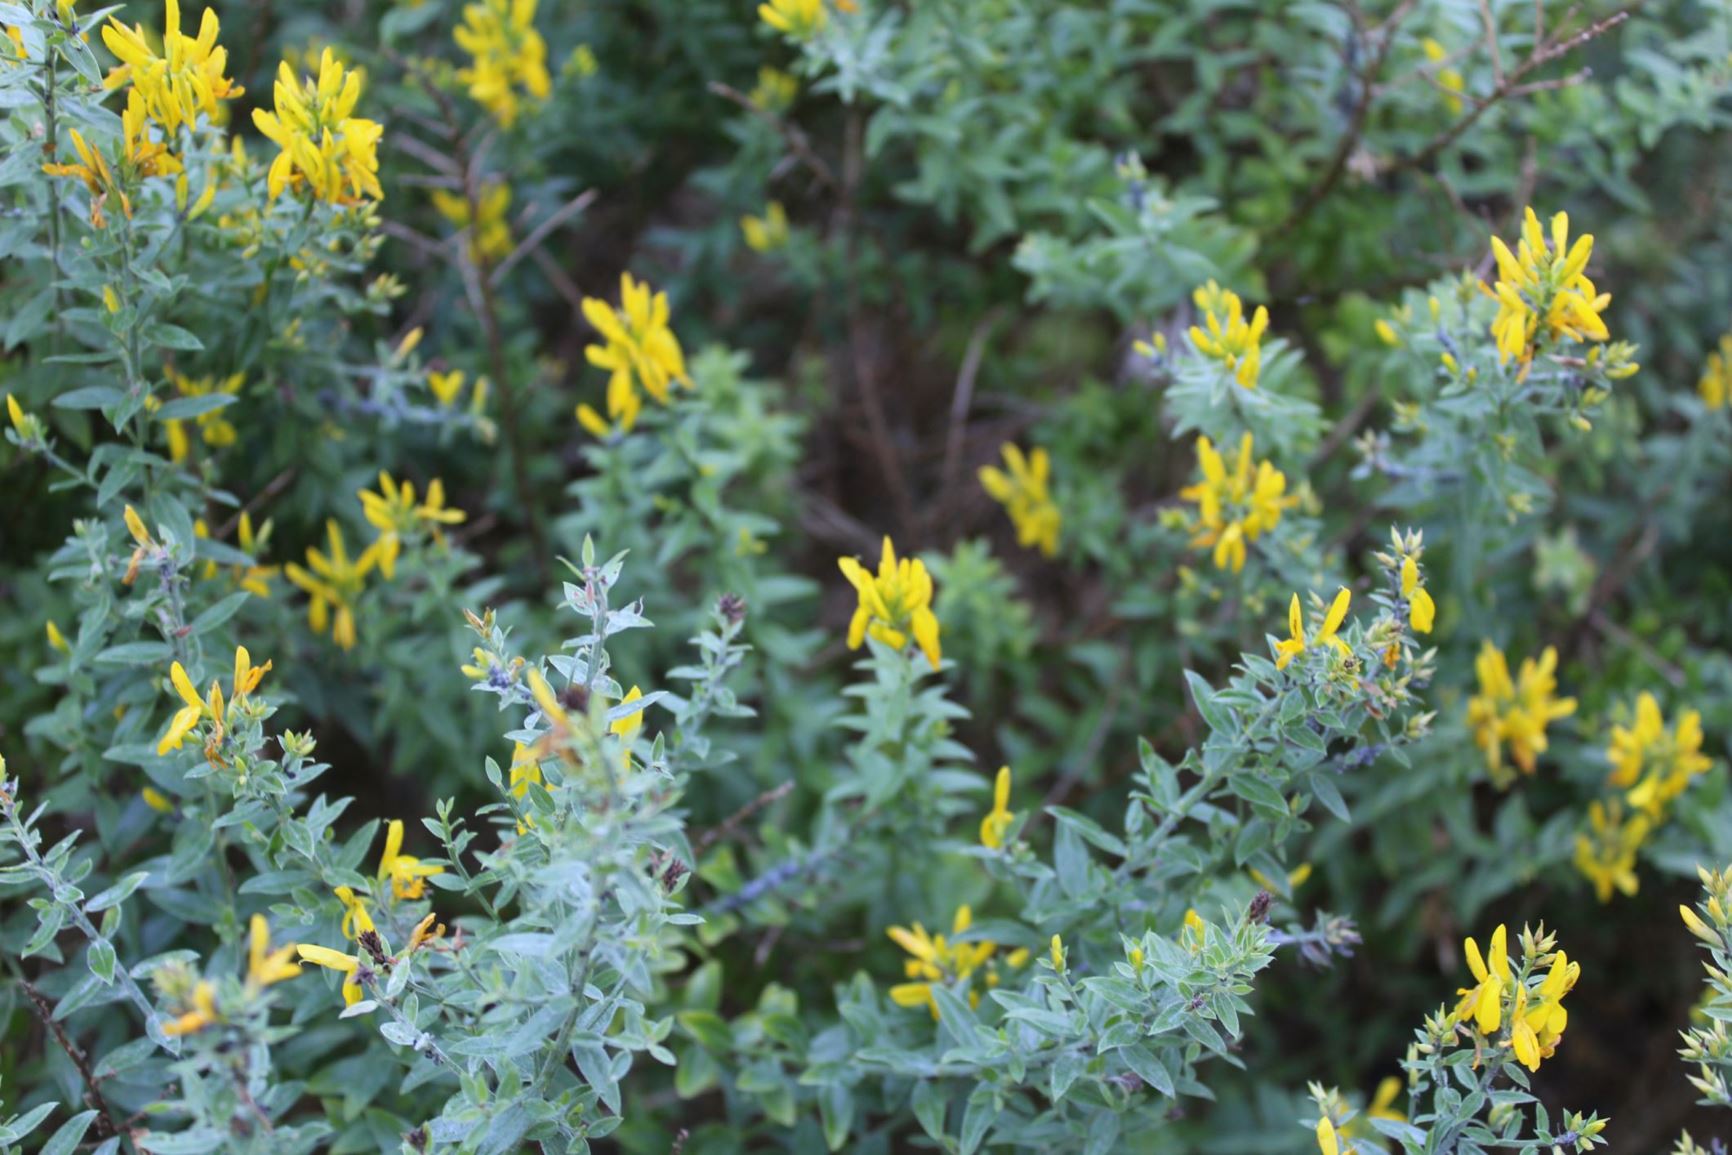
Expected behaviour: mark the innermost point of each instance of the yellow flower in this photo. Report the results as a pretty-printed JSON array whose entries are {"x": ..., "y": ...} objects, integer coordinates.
[
  {"x": 1296, "y": 878},
  {"x": 489, "y": 233},
  {"x": 1295, "y": 643},
  {"x": 1699, "y": 928},
  {"x": 1542, "y": 293},
  {"x": 1607, "y": 858},
  {"x": 507, "y": 54},
  {"x": 1656, "y": 766},
  {"x": 1515, "y": 714},
  {"x": 1421, "y": 610},
  {"x": 210, "y": 707},
  {"x": 998, "y": 820},
  {"x": 800, "y": 19},
  {"x": 639, "y": 351},
  {"x": 1537, "y": 1019},
  {"x": 264, "y": 965},
  {"x": 525, "y": 770},
  {"x": 215, "y": 429},
  {"x": 1023, "y": 493},
  {"x": 356, "y": 920},
  {"x": 202, "y": 1013},
  {"x": 1055, "y": 953},
  {"x": 934, "y": 960},
  {"x": 15, "y": 413},
  {"x": 1382, "y": 1104},
  {"x": 1234, "y": 506},
  {"x": 1449, "y": 79},
  {"x": 1327, "y": 1143},
  {"x": 395, "y": 513},
  {"x": 1484, "y": 1001},
  {"x": 156, "y": 800},
  {"x": 626, "y": 727},
  {"x": 57, "y": 640},
  {"x": 139, "y": 157},
  {"x": 895, "y": 603},
  {"x": 1715, "y": 386},
  {"x": 408, "y": 875},
  {"x": 344, "y": 964},
  {"x": 775, "y": 90},
  {"x": 322, "y": 144},
  {"x": 767, "y": 233},
  {"x": 185, "y": 80},
  {"x": 445, "y": 386},
  {"x": 1230, "y": 339},
  {"x": 334, "y": 583}
]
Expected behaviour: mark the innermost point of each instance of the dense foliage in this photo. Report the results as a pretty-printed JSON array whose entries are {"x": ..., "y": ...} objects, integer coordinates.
[{"x": 529, "y": 531}]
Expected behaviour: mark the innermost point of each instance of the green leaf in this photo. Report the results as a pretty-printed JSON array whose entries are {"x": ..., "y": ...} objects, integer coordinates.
[
  {"x": 117, "y": 893},
  {"x": 66, "y": 1140},
  {"x": 982, "y": 1112},
  {"x": 171, "y": 337},
  {"x": 101, "y": 960},
  {"x": 186, "y": 408}
]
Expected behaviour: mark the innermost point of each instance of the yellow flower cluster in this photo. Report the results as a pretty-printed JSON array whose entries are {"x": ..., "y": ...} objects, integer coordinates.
[
  {"x": 1606, "y": 853},
  {"x": 506, "y": 54},
  {"x": 396, "y": 514},
  {"x": 334, "y": 583},
  {"x": 323, "y": 144},
  {"x": 1715, "y": 385},
  {"x": 1534, "y": 1014},
  {"x": 489, "y": 233},
  {"x": 1235, "y": 506},
  {"x": 446, "y": 387},
  {"x": 185, "y": 80},
  {"x": 1449, "y": 79},
  {"x": 1000, "y": 818},
  {"x": 767, "y": 233},
  {"x": 1543, "y": 294},
  {"x": 1297, "y": 643},
  {"x": 1655, "y": 766},
  {"x": 265, "y": 966},
  {"x": 894, "y": 603},
  {"x": 139, "y": 157},
  {"x": 1230, "y": 339},
  {"x": 936, "y": 960},
  {"x": 1023, "y": 493},
  {"x": 639, "y": 351},
  {"x": 211, "y": 708},
  {"x": 1515, "y": 714},
  {"x": 254, "y": 578},
  {"x": 216, "y": 430},
  {"x": 801, "y": 19}
]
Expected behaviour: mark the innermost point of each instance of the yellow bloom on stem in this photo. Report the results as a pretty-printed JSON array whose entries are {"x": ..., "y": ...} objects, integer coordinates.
[
  {"x": 1483, "y": 1002},
  {"x": 1421, "y": 610},
  {"x": 998, "y": 820},
  {"x": 894, "y": 603},
  {"x": 56, "y": 640},
  {"x": 334, "y": 583},
  {"x": 1537, "y": 1019},
  {"x": 506, "y": 54},
  {"x": 395, "y": 513},
  {"x": 1327, "y": 1142},
  {"x": 356, "y": 920},
  {"x": 344, "y": 964},
  {"x": 1448, "y": 79},
  {"x": 639, "y": 351},
  {"x": 408, "y": 875},
  {"x": 934, "y": 960},
  {"x": 1234, "y": 506},
  {"x": 216, "y": 430},
  {"x": 201, "y": 1014},
  {"x": 15, "y": 413},
  {"x": 1296, "y": 642},
  {"x": 210, "y": 707},
  {"x": 1023, "y": 493},
  {"x": 1230, "y": 339},
  {"x": 1697, "y": 927},
  {"x": 489, "y": 232},
  {"x": 1383, "y": 1101},
  {"x": 800, "y": 19},
  {"x": 140, "y": 156},
  {"x": 445, "y": 387},
  {"x": 775, "y": 90},
  {"x": 627, "y": 726},
  {"x": 1607, "y": 856},
  {"x": 156, "y": 800},
  {"x": 525, "y": 771},
  {"x": 1542, "y": 293},
  {"x": 1715, "y": 385},
  {"x": 1656, "y": 766},
  {"x": 767, "y": 233},
  {"x": 323, "y": 145},
  {"x": 264, "y": 965},
  {"x": 1515, "y": 714},
  {"x": 185, "y": 80}
]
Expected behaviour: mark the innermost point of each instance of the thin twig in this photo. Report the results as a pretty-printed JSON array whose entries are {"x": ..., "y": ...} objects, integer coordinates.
[
  {"x": 964, "y": 398},
  {"x": 798, "y": 143},
  {"x": 532, "y": 242},
  {"x": 738, "y": 818}
]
